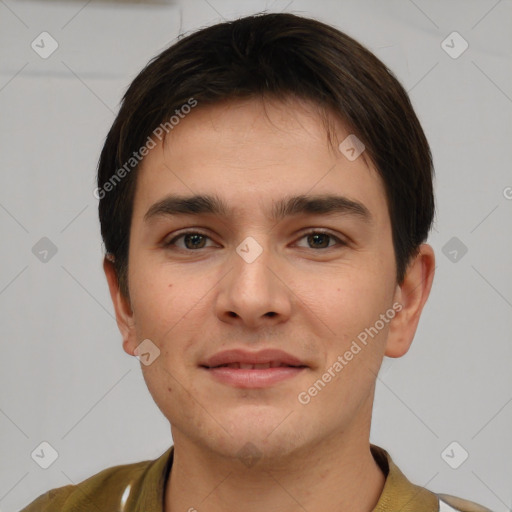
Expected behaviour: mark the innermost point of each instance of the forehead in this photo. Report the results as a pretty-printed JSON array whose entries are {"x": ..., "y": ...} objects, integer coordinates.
[{"x": 253, "y": 152}]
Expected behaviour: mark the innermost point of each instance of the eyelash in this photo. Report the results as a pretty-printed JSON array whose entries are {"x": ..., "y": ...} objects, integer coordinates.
[{"x": 172, "y": 242}]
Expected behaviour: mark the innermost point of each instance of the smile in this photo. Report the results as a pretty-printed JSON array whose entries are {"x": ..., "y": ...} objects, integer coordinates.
[
  {"x": 256, "y": 366},
  {"x": 245, "y": 369}
]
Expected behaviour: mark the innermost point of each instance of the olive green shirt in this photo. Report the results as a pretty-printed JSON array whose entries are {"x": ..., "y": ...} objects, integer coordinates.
[{"x": 140, "y": 487}]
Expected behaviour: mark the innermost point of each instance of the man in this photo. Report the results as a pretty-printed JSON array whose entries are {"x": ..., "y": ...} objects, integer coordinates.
[{"x": 265, "y": 195}]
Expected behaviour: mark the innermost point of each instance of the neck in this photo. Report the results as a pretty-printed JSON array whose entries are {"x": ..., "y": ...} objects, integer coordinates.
[{"x": 339, "y": 474}]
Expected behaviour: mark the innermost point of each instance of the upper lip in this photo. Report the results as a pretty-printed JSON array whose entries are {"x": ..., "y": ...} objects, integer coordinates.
[{"x": 246, "y": 357}]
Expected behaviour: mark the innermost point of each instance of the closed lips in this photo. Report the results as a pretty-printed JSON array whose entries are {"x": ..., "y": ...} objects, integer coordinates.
[
  {"x": 256, "y": 366},
  {"x": 242, "y": 368},
  {"x": 245, "y": 360}
]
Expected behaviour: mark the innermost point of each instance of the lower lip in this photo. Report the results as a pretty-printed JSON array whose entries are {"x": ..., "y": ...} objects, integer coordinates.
[{"x": 257, "y": 378}]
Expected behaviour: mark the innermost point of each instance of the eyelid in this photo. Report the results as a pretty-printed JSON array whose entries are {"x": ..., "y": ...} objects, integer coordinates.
[
  {"x": 311, "y": 231},
  {"x": 179, "y": 234},
  {"x": 323, "y": 231}
]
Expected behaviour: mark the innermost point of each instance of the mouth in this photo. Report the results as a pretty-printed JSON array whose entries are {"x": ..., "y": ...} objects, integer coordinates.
[
  {"x": 243, "y": 369},
  {"x": 255, "y": 366}
]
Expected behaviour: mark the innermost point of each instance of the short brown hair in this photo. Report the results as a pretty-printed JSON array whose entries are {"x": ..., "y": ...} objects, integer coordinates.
[{"x": 274, "y": 55}]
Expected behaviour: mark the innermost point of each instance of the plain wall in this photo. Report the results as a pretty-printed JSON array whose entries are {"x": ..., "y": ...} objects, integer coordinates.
[{"x": 64, "y": 376}]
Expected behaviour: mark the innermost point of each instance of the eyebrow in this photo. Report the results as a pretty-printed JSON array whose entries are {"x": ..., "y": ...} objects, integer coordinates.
[{"x": 324, "y": 204}]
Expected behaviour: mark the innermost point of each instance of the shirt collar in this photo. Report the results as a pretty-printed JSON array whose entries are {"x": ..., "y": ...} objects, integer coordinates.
[{"x": 398, "y": 493}]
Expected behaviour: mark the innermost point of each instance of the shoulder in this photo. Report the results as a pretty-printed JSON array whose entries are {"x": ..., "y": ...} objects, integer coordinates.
[
  {"x": 401, "y": 494},
  {"x": 104, "y": 487},
  {"x": 450, "y": 503},
  {"x": 50, "y": 500}
]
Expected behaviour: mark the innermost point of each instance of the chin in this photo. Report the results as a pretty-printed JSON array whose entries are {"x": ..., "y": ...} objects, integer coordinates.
[
  {"x": 250, "y": 450},
  {"x": 269, "y": 433}
]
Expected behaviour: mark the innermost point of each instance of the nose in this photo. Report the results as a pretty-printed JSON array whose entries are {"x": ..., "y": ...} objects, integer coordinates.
[{"x": 254, "y": 292}]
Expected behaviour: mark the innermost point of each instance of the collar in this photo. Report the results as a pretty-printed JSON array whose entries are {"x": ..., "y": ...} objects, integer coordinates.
[{"x": 398, "y": 492}]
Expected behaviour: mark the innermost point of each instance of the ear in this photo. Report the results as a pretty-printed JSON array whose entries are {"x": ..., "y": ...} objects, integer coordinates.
[
  {"x": 122, "y": 307},
  {"x": 411, "y": 295}
]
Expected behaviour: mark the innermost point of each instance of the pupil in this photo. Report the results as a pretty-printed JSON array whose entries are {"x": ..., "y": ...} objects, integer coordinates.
[
  {"x": 315, "y": 238},
  {"x": 195, "y": 238}
]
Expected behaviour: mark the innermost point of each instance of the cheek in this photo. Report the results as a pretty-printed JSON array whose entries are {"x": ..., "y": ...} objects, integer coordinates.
[
  {"x": 351, "y": 306},
  {"x": 358, "y": 296},
  {"x": 167, "y": 309},
  {"x": 155, "y": 295}
]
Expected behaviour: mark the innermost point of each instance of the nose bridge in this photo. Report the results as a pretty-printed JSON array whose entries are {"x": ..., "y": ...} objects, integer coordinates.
[
  {"x": 251, "y": 263},
  {"x": 251, "y": 291}
]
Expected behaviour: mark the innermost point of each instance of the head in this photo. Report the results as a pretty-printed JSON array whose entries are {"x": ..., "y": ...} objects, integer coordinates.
[{"x": 241, "y": 135}]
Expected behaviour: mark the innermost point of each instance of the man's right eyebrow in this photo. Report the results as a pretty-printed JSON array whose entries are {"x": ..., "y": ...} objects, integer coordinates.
[{"x": 187, "y": 205}]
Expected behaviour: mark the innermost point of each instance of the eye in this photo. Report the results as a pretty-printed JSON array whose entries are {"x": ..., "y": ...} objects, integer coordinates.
[
  {"x": 191, "y": 240},
  {"x": 320, "y": 239}
]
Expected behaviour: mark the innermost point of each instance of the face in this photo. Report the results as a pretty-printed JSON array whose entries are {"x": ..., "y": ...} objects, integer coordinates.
[{"x": 304, "y": 277}]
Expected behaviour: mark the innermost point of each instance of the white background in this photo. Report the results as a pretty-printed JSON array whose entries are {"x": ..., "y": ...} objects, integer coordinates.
[{"x": 64, "y": 377}]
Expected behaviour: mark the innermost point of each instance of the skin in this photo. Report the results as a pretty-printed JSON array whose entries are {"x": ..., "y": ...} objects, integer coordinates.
[{"x": 310, "y": 301}]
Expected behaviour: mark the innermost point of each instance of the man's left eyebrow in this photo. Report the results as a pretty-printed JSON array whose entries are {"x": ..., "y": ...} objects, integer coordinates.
[{"x": 324, "y": 204}]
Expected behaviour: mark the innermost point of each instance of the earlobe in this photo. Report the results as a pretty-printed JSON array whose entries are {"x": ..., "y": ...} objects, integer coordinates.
[
  {"x": 122, "y": 307},
  {"x": 411, "y": 294}
]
